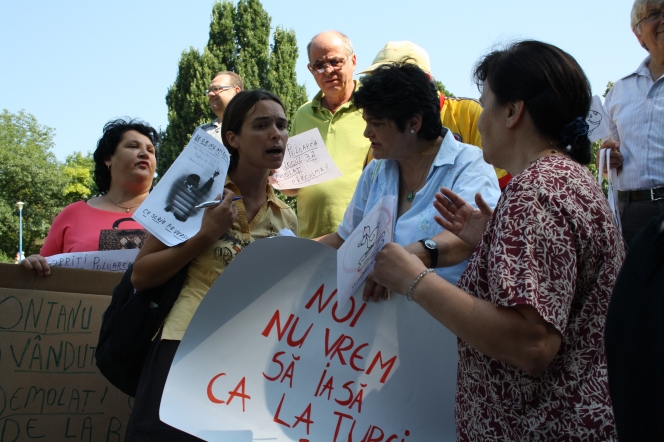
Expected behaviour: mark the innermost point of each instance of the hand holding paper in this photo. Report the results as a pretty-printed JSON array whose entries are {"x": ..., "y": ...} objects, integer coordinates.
[
  {"x": 355, "y": 258},
  {"x": 615, "y": 157},
  {"x": 396, "y": 268},
  {"x": 219, "y": 218}
]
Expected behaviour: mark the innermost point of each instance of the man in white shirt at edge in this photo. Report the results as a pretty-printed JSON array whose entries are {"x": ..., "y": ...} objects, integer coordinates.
[{"x": 635, "y": 106}]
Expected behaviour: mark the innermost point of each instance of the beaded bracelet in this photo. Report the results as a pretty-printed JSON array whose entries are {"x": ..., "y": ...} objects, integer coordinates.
[{"x": 409, "y": 295}]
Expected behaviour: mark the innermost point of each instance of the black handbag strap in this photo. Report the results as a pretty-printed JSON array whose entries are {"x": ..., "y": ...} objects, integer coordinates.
[{"x": 116, "y": 224}]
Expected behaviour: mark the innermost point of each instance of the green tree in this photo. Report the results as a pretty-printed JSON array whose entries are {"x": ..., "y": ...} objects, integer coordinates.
[
  {"x": 252, "y": 35},
  {"x": 29, "y": 172},
  {"x": 441, "y": 87},
  {"x": 238, "y": 42},
  {"x": 187, "y": 106},
  {"x": 79, "y": 169},
  {"x": 281, "y": 73}
]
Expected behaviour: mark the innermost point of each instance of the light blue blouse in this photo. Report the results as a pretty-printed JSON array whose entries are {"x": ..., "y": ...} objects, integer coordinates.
[{"x": 457, "y": 166}]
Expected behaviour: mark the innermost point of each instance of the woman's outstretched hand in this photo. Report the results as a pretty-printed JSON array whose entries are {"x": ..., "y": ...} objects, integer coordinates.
[{"x": 460, "y": 218}]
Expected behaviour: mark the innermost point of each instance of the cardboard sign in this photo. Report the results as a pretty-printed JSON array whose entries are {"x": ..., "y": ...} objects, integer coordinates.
[
  {"x": 50, "y": 388},
  {"x": 106, "y": 261},
  {"x": 275, "y": 358},
  {"x": 356, "y": 257},
  {"x": 198, "y": 174},
  {"x": 306, "y": 162}
]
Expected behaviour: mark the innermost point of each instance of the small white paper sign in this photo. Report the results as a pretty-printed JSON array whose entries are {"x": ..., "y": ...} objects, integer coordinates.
[
  {"x": 598, "y": 122},
  {"x": 306, "y": 162},
  {"x": 356, "y": 257},
  {"x": 269, "y": 355},
  {"x": 612, "y": 177},
  {"x": 107, "y": 260},
  {"x": 197, "y": 175}
]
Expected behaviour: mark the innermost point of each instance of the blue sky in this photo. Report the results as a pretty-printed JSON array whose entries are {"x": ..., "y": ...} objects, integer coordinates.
[{"x": 76, "y": 64}]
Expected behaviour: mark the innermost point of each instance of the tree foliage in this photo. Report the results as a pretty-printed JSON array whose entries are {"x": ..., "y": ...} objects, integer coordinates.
[
  {"x": 239, "y": 42},
  {"x": 29, "y": 172},
  {"x": 441, "y": 87},
  {"x": 78, "y": 169},
  {"x": 281, "y": 74},
  {"x": 187, "y": 106}
]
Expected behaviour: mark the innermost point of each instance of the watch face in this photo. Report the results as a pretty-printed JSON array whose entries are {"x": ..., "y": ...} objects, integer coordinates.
[{"x": 430, "y": 244}]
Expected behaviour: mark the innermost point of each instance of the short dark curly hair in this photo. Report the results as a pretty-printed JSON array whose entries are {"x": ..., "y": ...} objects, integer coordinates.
[
  {"x": 399, "y": 91},
  {"x": 113, "y": 131}
]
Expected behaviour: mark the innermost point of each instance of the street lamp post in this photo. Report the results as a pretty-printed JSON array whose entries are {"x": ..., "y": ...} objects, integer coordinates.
[{"x": 20, "y": 230}]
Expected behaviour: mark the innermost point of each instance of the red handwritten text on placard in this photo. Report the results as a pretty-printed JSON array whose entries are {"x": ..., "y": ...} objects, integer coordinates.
[
  {"x": 373, "y": 433},
  {"x": 239, "y": 391},
  {"x": 318, "y": 296},
  {"x": 276, "y": 320},
  {"x": 289, "y": 371}
]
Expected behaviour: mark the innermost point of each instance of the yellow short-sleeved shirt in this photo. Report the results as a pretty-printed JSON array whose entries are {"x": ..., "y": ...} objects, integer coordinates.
[
  {"x": 203, "y": 270},
  {"x": 460, "y": 115}
]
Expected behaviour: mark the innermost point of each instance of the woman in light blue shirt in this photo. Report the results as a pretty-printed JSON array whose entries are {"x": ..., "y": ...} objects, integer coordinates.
[{"x": 414, "y": 156}]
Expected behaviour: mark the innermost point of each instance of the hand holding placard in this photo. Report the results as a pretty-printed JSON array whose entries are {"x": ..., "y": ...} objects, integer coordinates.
[{"x": 356, "y": 257}]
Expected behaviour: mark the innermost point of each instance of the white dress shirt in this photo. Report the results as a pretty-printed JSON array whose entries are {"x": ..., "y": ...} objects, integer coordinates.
[{"x": 635, "y": 106}]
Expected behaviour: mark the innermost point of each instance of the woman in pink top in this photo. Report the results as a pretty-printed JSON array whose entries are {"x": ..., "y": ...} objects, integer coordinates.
[{"x": 125, "y": 163}]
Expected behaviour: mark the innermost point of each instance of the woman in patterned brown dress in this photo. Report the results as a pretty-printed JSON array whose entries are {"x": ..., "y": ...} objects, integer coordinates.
[{"x": 530, "y": 309}]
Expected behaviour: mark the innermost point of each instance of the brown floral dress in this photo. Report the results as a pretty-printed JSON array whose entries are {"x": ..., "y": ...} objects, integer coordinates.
[{"x": 551, "y": 244}]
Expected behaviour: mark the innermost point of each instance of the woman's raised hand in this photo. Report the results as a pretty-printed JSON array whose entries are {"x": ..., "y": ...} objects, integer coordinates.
[
  {"x": 218, "y": 219},
  {"x": 460, "y": 218}
]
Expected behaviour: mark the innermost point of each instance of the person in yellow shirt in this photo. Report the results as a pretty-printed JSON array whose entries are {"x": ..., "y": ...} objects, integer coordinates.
[
  {"x": 459, "y": 115},
  {"x": 254, "y": 130}
]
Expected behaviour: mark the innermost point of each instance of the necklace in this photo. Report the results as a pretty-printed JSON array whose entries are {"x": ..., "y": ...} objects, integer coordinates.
[
  {"x": 411, "y": 195},
  {"x": 127, "y": 209}
]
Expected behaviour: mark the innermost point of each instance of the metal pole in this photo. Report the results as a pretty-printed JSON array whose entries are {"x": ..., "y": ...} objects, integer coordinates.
[{"x": 20, "y": 230}]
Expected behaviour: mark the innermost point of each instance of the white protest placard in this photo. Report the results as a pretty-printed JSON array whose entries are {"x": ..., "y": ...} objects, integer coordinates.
[
  {"x": 197, "y": 175},
  {"x": 106, "y": 260},
  {"x": 355, "y": 258},
  {"x": 306, "y": 162},
  {"x": 269, "y": 355},
  {"x": 598, "y": 122}
]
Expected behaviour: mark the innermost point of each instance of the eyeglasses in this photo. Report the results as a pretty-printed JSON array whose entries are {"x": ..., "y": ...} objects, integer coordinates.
[
  {"x": 321, "y": 66},
  {"x": 653, "y": 17},
  {"x": 216, "y": 89}
]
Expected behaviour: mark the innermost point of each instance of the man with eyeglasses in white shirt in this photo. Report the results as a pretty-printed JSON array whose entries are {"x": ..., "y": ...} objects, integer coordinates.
[
  {"x": 224, "y": 86},
  {"x": 635, "y": 106},
  {"x": 332, "y": 62}
]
